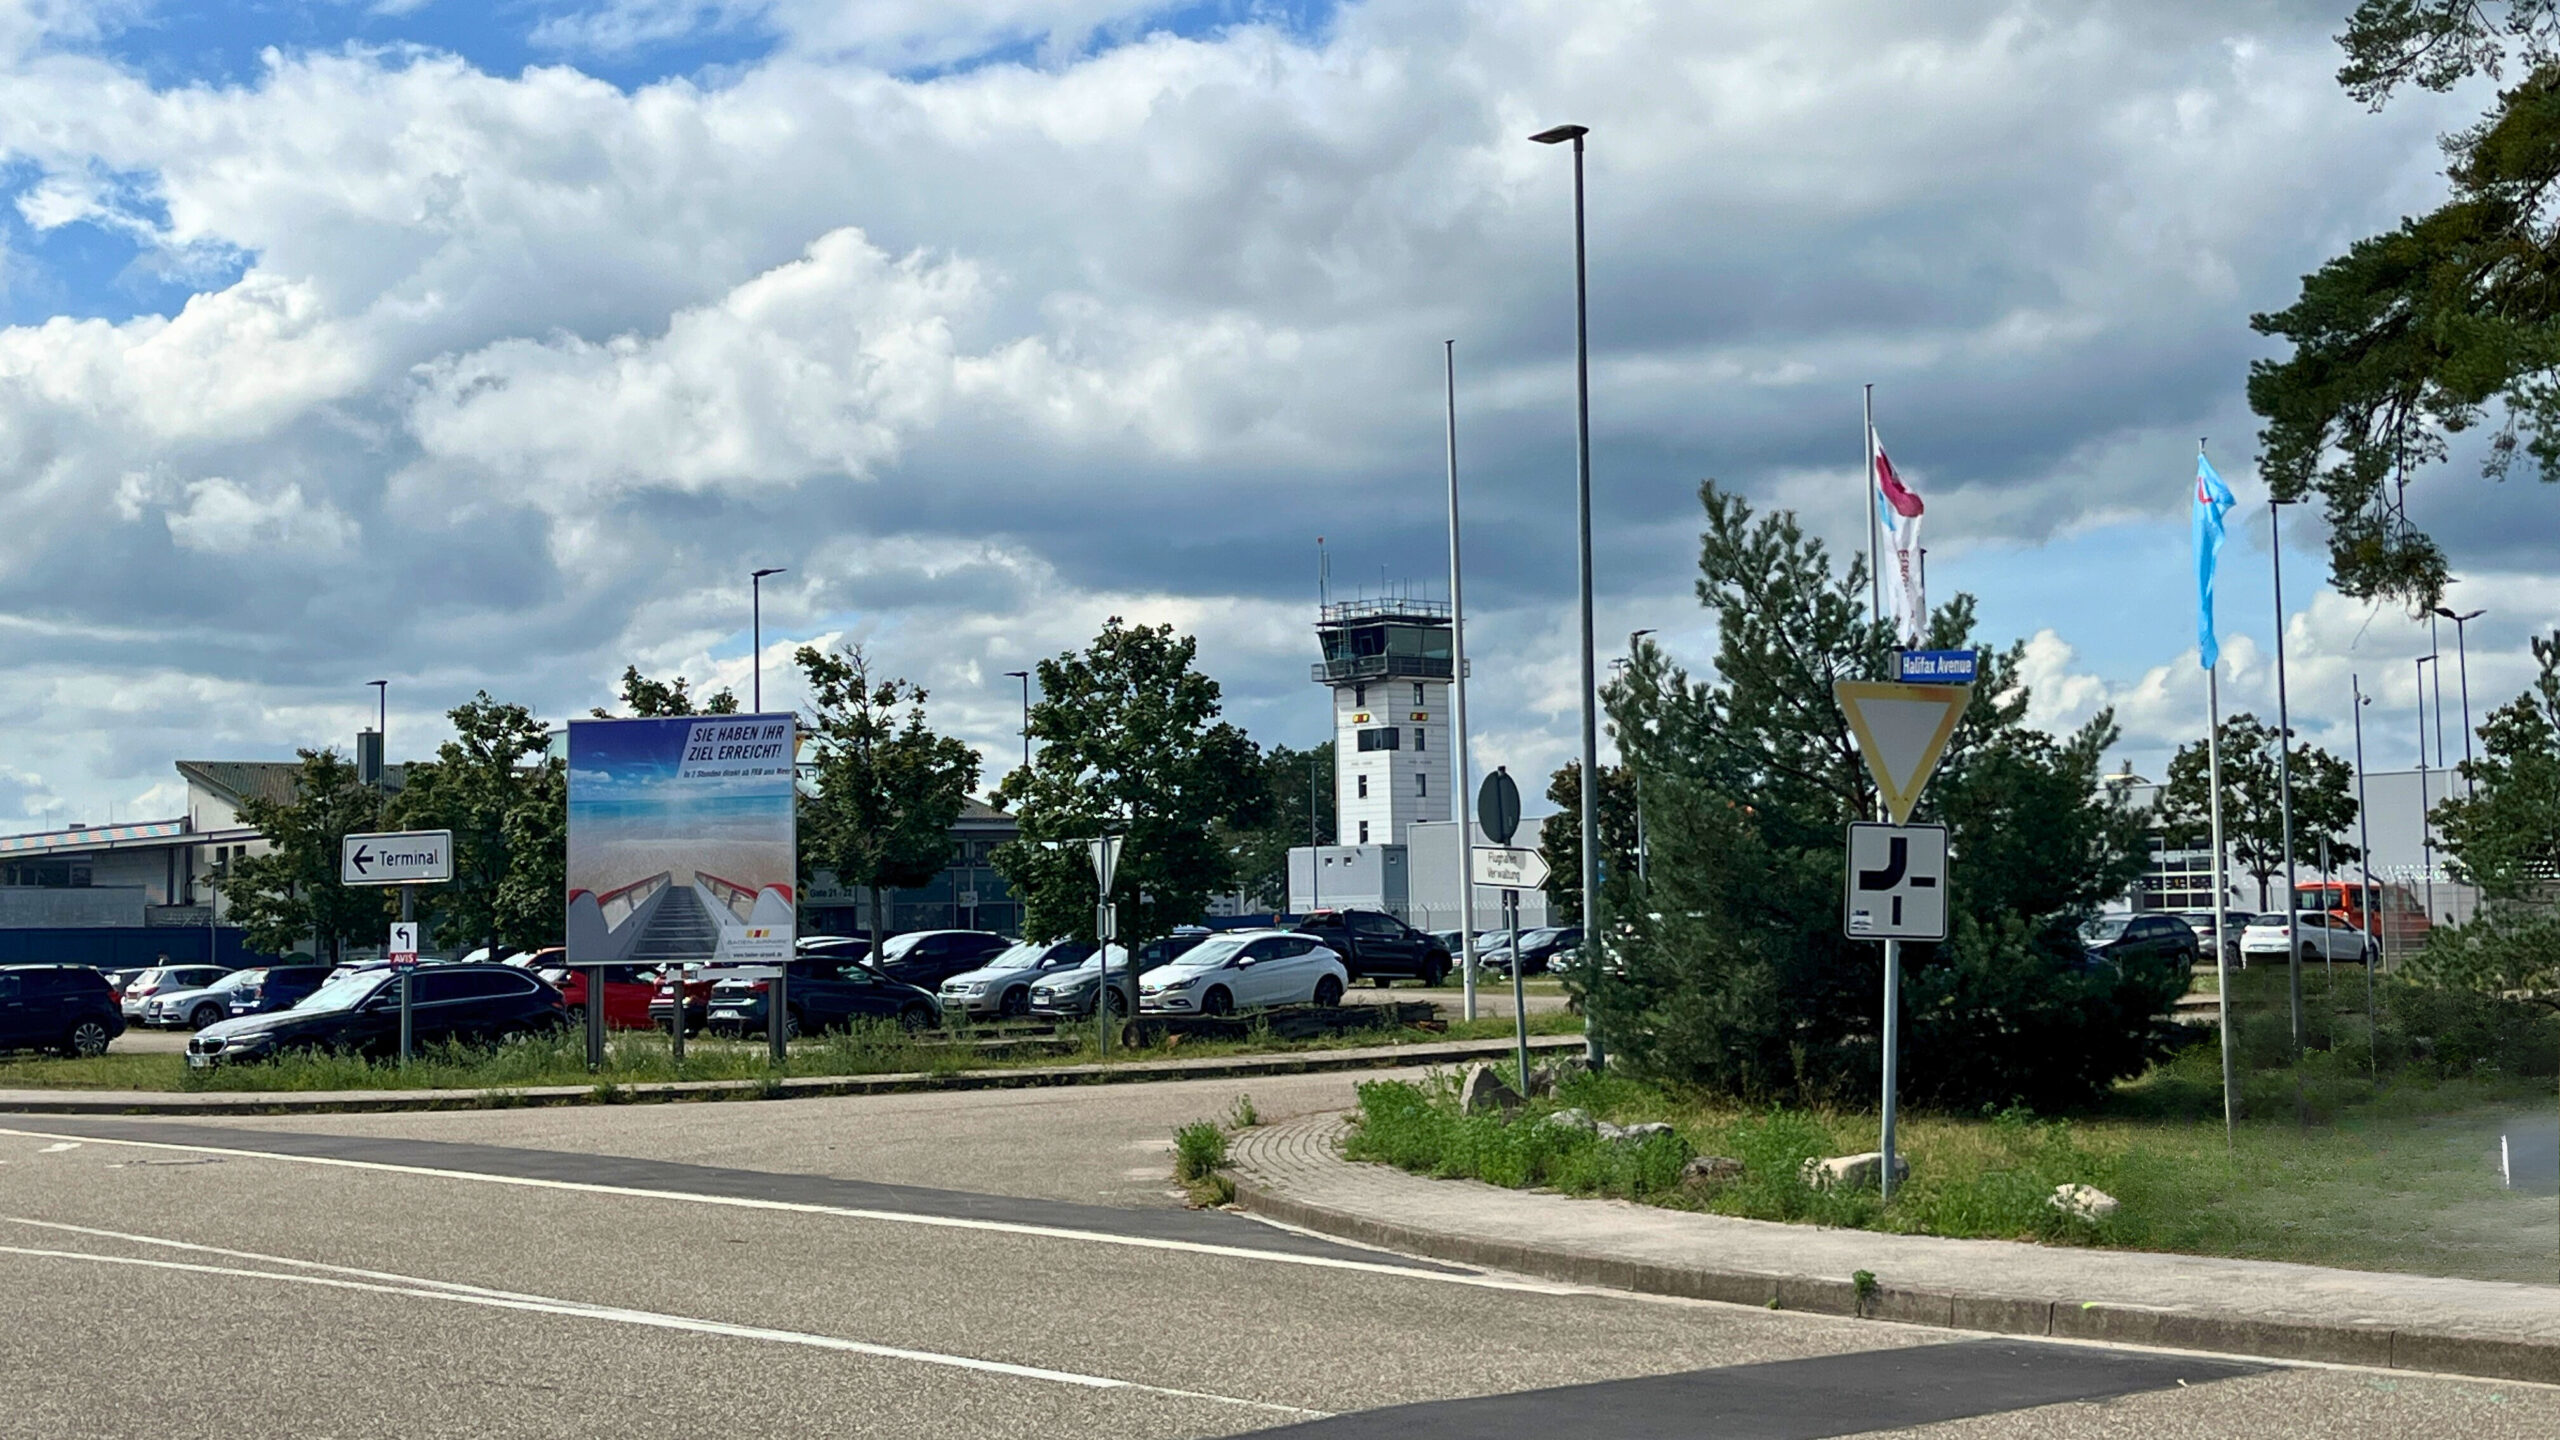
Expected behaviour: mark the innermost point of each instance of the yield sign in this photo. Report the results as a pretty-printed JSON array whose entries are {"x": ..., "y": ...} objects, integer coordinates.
[{"x": 1902, "y": 731}]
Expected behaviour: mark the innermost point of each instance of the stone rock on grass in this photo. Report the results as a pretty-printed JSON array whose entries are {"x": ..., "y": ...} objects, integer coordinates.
[
  {"x": 2083, "y": 1202},
  {"x": 1710, "y": 1170},
  {"x": 1645, "y": 1131},
  {"x": 1607, "y": 1131},
  {"x": 1483, "y": 1093},
  {"x": 1574, "y": 1119},
  {"x": 1853, "y": 1172}
]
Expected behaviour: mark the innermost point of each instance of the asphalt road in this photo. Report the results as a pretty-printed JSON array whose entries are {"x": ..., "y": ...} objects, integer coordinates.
[{"x": 975, "y": 1265}]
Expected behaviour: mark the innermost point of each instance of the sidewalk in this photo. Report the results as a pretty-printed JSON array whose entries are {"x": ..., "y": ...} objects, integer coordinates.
[
  {"x": 1294, "y": 1173},
  {"x": 333, "y": 1102}
]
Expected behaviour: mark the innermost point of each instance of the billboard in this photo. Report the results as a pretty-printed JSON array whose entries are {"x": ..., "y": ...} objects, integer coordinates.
[{"x": 683, "y": 842}]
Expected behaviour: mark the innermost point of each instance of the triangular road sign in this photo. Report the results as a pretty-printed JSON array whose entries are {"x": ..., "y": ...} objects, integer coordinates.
[{"x": 1902, "y": 731}]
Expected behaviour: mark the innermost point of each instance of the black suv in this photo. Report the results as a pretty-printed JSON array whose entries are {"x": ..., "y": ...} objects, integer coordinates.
[
  {"x": 2140, "y": 937},
  {"x": 926, "y": 958},
  {"x": 277, "y": 987},
  {"x": 64, "y": 1008},
  {"x": 825, "y": 994},
  {"x": 359, "y": 1012},
  {"x": 1377, "y": 947}
]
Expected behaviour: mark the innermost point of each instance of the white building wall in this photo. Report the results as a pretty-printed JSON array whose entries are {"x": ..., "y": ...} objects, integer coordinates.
[{"x": 1390, "y": 790}]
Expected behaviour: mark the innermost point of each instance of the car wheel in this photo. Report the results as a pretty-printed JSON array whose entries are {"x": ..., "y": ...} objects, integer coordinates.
[
  {"x": 1328, "y": 992},
  {"x": 1438, "y": 975},
  {"x": 793, "y": 1026},
  {"x": 204, "y": 1015},
  {"x": 1382, "y": 981},
  {"x": 87, "y": 1040},
  {"x": 2310, "y": 955},
  {"x": 1218, "y": 1002},
  {"x": 915, "y": 1017},
  {"x": 1016, "y": 1004},
  {"x": 1117, "y": 999}
]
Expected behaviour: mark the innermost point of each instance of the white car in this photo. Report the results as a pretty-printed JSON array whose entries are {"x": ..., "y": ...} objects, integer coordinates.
[
  {"x": 1002, "y": 986},
  {"x": 166, "y": 978},
  {"x": 195, "y": 1009},
  {"x": 1244, "y": 970},
  {"x": 2322, "y": 936}
]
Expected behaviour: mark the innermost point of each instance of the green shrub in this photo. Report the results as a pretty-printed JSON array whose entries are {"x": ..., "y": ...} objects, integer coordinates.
[{"x": 1199, "y": 1150}]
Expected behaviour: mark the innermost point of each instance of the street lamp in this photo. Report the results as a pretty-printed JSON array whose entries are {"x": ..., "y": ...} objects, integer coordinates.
[
  {"x": 1644, "y": 869},
  {"x": 2462, "y": 653},
  {"x": 755, "y": 584},
  {"x": 1582, "y": 501},
  {"x": 1025, "y": 677},
  {"x": 2284, "y": 779},
  {"x": 2426, "y": 834}
]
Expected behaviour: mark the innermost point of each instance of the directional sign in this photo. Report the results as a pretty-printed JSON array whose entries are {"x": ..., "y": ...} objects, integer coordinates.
[
  {"x": 400, "y": 857},
  {"x": 1507, "y": 867},
  {"x": 1897, "y": 882},
  {"x": 1902, "y": 731},
  {"x": 402, "y": 952},
  {"x": 1498, "y": 807},
  {"x": 1106, "y": 860},
  {"x": 1935, "y": 667}
]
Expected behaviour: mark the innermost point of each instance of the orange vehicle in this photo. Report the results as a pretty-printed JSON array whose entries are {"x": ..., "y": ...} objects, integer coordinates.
[{"x": 2389, "y": 912}]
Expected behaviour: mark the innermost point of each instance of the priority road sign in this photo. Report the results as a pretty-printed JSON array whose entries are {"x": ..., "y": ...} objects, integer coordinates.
[
  {"x": 1902, "y": 730},
  {"x": 1507, "y": 867},
  {"x": 1897, "y": 882},
  {"x": 399, "y": 857}
]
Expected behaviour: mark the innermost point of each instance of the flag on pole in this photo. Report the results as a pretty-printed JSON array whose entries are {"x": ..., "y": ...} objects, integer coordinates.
[
  {"x": 1898, "y": 509},
  {"x": 2213, "y": 501}
]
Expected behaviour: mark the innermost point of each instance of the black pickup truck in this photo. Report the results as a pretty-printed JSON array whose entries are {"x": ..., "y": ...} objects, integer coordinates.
[{"x": 1378, "y": 947}]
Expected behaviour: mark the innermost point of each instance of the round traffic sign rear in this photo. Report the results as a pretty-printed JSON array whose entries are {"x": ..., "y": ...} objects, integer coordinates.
[{"x": 1498, "y": 807}]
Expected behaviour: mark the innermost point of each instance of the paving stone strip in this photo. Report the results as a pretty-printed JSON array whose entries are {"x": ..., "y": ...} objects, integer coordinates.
[{"x": 1294, "y": 1173}]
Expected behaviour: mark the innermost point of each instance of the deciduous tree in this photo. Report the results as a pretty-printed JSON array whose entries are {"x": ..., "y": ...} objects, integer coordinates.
[
  {"x": 2324, "y": 802},
  {"x": 885, "y": 786},
  {"x": 496, "y": 787},
  {"x": 291, "y": 893}
]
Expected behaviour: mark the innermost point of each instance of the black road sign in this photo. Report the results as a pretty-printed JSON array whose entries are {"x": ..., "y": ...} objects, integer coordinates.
[{"x": 1498, "y": 807}]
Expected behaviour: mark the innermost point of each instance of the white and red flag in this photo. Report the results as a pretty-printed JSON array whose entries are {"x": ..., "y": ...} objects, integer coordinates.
[{"x": 1898, "y": 512}]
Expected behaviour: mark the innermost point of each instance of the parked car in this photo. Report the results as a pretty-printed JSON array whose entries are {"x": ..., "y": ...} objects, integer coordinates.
[
  {"x": 359, "y": 1013},
  {"x": 1375, "y": 946},
  {"x": 167, "y": 977},
  {"x": 2124, "y": 938},
  {"x": 277, "y": 987},
  {"x": 695, "y": 981},
  {"x": 926, "y": 958},
  {"x": 1070, "y": 994},
  {"x": 1538, "y": 949},
  {"x": 196, "y": 1008},
  {"x": 64, "y": 1008},
  {"x": 1245, "y": 970},
  {"x": 2234, "y": 924},
  {"x": 842, "y": 947},
  {"x": 825, "y": 994},
  {"x": 628, "y": 989},
  {"x": 2320, "y": 935},
  {"x": 118, "y": 979},
  {"x": 1001, "y": 988}
]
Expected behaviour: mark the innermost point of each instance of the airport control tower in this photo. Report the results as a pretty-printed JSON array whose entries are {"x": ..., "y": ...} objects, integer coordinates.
[{"x": 1388, "y": 664}]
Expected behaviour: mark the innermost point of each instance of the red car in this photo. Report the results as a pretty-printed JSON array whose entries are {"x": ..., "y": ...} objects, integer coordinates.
[{"x": 627, "y": 991}]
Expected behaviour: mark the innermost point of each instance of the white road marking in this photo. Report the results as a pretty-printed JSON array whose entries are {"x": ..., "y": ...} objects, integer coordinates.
[
  {"x": 893, "y": 1217},
  {"x": 57, "y": 1149},
  {"x": 384, "y": 1284}
]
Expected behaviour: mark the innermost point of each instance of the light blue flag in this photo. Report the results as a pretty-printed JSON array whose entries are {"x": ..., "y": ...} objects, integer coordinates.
[{"x": 2213, "y": 500}]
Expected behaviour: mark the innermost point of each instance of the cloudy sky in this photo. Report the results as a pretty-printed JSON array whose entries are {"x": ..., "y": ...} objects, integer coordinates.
[{"x": 490, "y": 345}]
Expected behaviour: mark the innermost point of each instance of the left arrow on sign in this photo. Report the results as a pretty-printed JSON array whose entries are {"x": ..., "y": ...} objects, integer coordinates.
[{"x": 363, "y": 861}]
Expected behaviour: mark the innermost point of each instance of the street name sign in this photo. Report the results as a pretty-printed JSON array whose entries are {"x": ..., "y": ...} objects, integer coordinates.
[
  {"x": 1897, "y": 882},
  {"x": 1935, "y": 667},
  {"x": 1902, "y": 730},
  {"x": 1507, "y": 867},
  {"x": 399, "y": 857}
]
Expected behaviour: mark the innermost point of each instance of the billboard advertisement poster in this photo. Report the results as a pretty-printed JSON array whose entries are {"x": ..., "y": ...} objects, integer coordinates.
[{"x": 683, "y": 842}]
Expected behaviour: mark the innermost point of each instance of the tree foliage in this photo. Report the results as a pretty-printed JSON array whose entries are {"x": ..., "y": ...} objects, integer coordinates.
[
  {"x": 1130, "y": 743},
  {"x": 2503, "y": 835},
  {"x": 496, "y": 787},
  {"x": 2324, "y": 801},
  {"x": 291, "y": 893},
  {"x": 887, "y": 786},
  {"x": 649, "y": 699},
  {"x": 1560, "y": 838},
  {"x": 2447, "y": 323},
  {"x": 1733, "y": 973},
  {"x": 1299, "y": 783}
]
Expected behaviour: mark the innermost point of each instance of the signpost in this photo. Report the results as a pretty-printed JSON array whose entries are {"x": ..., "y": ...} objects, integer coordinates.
[
  {"x": 1897, "y": 873},
  {"x": 1105, "y": 850},
  {"x": 406, "y": 858},
  {"x": 1515, "y": 870}
]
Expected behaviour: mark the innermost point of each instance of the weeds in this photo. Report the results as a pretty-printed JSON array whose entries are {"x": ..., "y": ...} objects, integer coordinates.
[
  {"x": 1199, "y": 1148},
  {"x": 1241, "y": 1115}
]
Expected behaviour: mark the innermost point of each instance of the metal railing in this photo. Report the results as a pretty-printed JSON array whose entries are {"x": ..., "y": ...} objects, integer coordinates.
[{"x": 1381, "y": 667}]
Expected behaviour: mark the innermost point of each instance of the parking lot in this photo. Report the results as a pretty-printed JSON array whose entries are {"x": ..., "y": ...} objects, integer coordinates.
[{"x": 980, "y": 1264}]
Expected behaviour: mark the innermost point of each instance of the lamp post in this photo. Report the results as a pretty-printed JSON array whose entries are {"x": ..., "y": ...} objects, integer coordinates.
[
  {"x": 1465, "y": 797},
  {"x": 2284, "y": 780},
  {"x": 381, "y": 737},
  {"x": 1595, "y": 1052},
  {"x": 1635, "y": 772},
  {"x": 755, "y": 585},
  {"x": 1025, "y": 677},
  {"x": 2462, "y": 657},
  {"x": 2426, "y": 835},
  {"x": 2369, "y": 903}
]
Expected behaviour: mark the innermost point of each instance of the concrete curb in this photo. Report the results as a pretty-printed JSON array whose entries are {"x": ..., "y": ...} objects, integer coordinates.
[
  {"x": 2232, "y": 1331},
  {"x": 357, "y": 1102}
]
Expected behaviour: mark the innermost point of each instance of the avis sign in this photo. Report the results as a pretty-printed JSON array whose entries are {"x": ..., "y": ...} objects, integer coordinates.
[
  {"x": 1897, "y": 882},
  {"x": 399, "y": 857}
]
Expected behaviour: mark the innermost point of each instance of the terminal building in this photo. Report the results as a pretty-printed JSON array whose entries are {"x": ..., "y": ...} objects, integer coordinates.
[{"x": 1389, "y": 665}]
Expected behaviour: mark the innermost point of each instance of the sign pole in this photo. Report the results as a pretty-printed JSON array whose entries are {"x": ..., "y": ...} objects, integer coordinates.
[
  {"x": 777, "y": 1014},
  {"x": 1104, "y": 922},
  {"x": 1892, "y": 1053},
  {"x": 595, "y": 1018},
  {"x": 408, "y": 974},
  {"x": 1519, "y": 993}
]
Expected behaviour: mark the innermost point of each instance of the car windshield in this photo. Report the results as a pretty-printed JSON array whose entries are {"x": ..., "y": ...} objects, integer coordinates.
[
  {"x": 237, "y": 979},
  {"x": 1022, "y": 955},
  {"x": 1210, "y": 954},
  {"x": 896, "y": 948},
  {"x": 343, "y": 992},
  {"x": 2103, "y": 929}
]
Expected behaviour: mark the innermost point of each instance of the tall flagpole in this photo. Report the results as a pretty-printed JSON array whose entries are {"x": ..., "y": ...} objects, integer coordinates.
[
  {"x": 1875, "y": 552},
  {"x": 2284, "y": 781},
  {"x": 1458, "y": 692},
  {"x": 2221, "y": 896}
]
